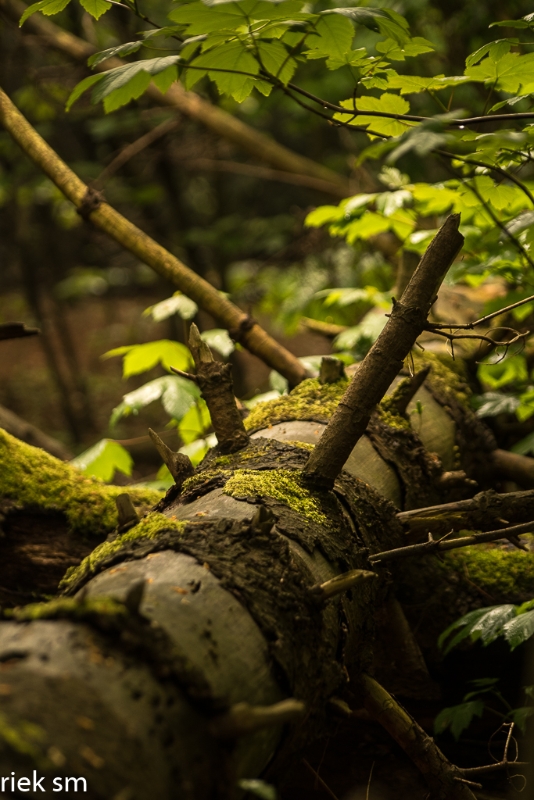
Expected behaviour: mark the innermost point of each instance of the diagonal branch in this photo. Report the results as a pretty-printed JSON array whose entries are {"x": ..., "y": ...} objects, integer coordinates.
[
  {"x": 91, "y": 205},
  {"x": 385, "y": 359}
]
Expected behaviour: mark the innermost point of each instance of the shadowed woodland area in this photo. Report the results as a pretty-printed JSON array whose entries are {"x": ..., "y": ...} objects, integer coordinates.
[{"x": 266, "y": 400}]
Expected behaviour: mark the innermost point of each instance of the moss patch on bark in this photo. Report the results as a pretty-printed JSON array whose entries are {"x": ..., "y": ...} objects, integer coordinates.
[
  {"x": 31, "y": 478},
  {"x": 310, "y": 400},
  {"x": 284, "y": 485},
  {"x": 149, "y": 528}
]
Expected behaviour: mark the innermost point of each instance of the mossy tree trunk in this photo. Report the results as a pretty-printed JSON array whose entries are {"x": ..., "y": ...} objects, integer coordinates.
[{"x": 136, "y": 678}]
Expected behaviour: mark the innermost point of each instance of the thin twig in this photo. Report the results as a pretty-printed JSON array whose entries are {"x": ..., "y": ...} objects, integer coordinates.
[
  {"x": 325, "y": 786},
  {"x": 439, "y": 545}
]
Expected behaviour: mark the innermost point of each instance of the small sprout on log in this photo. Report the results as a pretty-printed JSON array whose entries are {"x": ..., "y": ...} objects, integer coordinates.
[
  {"x": 178, "y": 464},
  {"x": 404, "y": 392},
  {"x": 263, "y": 519},
  {"x": 242, "y": 718},
  {"x": 341, "y": 583},
  {"x": 134, "y": 597},
  {"x": 454, "y": 478},
  {"x": 127, "y": 514},
  {"x": 332, "y": 370},
  {"x": 187, "y": 375},
  {"x": 215, "y": 381}
]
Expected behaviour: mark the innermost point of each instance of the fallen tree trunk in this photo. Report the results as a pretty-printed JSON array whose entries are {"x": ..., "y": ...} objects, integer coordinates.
[
  {"x": 136, "y": 679},
  {"x": 214, "y": 636}
]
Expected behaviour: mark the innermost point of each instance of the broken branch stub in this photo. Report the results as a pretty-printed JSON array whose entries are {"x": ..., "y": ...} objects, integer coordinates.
[
  {"x": 178, "y": 464},
  {"x": 385, "y": 359},
  {"x": 215, "y": 381}
]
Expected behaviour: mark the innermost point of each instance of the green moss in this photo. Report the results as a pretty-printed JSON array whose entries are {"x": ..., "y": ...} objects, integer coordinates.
[
  {"x": 302, "y": 445},
  {"x": 199, "y": 478},
  {"x": 447, "y": 375},
  {"x": 222, "y": 461},
  {"x": 390, "y": 416},
  {"x": 24, "y": 738},
  {"x": 501, "y": 573},
  {"x": 149, "y": 528},
  {"x": 31, "y": 477},
  {"x": 309, "y": 400},
  {"x": 69, "y": 608},
  {"x": 283, "y": 484}
]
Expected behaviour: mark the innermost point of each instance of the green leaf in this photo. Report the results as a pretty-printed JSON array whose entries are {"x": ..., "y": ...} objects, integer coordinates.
[
  {"x": 142, "y": 357},
  {"x": 118, "y": 51},
  {"x": 510, "y": 370},
  {"x": 469, "y": 623},
  {"x": 219, "y": 339},
  {"x": 398, "y": 52},
  {"x": 386, "y": 103},
  {"x": 127, "y": 82},
  {"x": 48, "y": 7},
  {"x": 195, "y": 423},
  {"x": 276, "y": 60},
  {"x": 82, "y": 87},
  {"x": 413, "y": 84},
  {"x": 177, "y": 304},
  {"x": 519, "y": 629},
  {"x": 333, "y": 39},
  {"x": 95, "y": 7},
  {"x": 103, "y": 459},
  {"x": 506, "y": 74},
  {"x": 383, "y": 20},
  {"x": 492, "y": 403},
  {"x": 458, "y": 718},
  {"x": 525, "y": 446},
  {"x": 177, "y": 395},
  {"x": 323, "y": 215},
  {"x": 235, "y": 58},
  {"x": 520, "y": 716},
  {"x": 496, "y": 50},
  {"x": 365, "y": 333}
]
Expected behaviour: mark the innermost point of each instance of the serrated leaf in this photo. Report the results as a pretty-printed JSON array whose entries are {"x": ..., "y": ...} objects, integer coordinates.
[
  {"x": 103, "y": 459},
  {"x": 520, "y": 716},
  {"x": 492, "y": 624},
  {"x": 458, "y": 718},
  {"x": 492, "y": 403},
  {"x": 508, "y": 73},
  {"x": 129, "y": 81},
  {"x": 399, "y": 52},
  {"x": 519, "y": 629},
  {"x": 383, "y": 20},
  {"x": 95, "y": 7},
  {"x": 277, "y": 61},
  {"x": 510, "y": 370},
  {"x": 219, "y": 339},
  {"x": 195, "y": 423},
  {"x": 496, "y": 50},
  {"x": 323, "y": 215},
  {"x": 47, "y": 7},
  {"x": 235, "y": 58},
  {"x": 120, "y": 50},
  {"x": 177, "y": 304},
  {"x": 177, "y": 395},
  {"x": 142, "y": 357},
  {"x": 81, "y": 88},
  {"x": 332, "y": 40},
  {"x": 386, "y": 103},
  {"x": 413, "y": 84},
  {"x": 466, "y": 622}
]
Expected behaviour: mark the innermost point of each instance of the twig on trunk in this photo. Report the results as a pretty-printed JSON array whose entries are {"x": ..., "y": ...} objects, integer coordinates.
[
  {"x": 498, "y": 765},
  {"x": 341, "y": 583},
  {"x": 441, "y": 776},
  {"x": 385, "y": 359},
  {"x": 243, "y": 719},
  {"x": 178, "y": 464},
  {"x": 215, "y": 381},
  {"x": 482, "y": 512},
  {"x": 440, "y": 545}
]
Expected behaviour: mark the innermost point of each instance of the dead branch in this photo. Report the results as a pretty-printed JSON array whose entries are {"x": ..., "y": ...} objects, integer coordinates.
[
  {"x": 16, "y": 330},
  {"x": 440, "y": 545},
  {"x": 445, "y": 780},
  {"x": 385, "y": 359},
  {"x": 481, "y": 513}
]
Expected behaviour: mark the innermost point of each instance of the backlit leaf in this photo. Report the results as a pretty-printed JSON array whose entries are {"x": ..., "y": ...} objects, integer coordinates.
[{"x": 103, "y": 460}]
